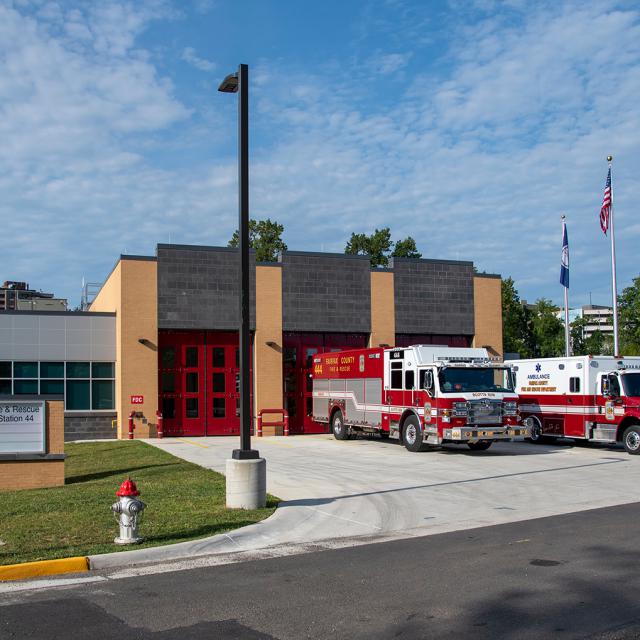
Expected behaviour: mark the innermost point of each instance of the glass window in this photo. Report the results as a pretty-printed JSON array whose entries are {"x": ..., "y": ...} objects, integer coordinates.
[
  {"x": 168, "y": 382},
  {"x": 238, "y": 408},
  {"x": 291, "y": 405},
  {"x": 309, "y": 383},
  {"x": 168, "y": 408},
  {"x": 289, "y": 356},
  {"x": 168, "y": 356},
  {"x": 309, "y": 407},
  {"x": 574, "y": 385},
  {"x": 102, "y": 395},
  {"x": 191, "y": 357},
  {"x": 78, "y": 370},
  {"x": 218, "y": 357},
  {"x": 27, "y": 387},
  {"x": 192, "y": 382},
  {"x": 219, "y": 407},
  {"x": 310, "y": 353},
  {"x": 5, "y": 387},
  {"x": 237, "y": 358},
  {"x": 25, "y": 370},
  {"x": 396, "y": 379},
  {"x": 191, "y": 407},
  {"x": 218, "y": 382},
  {"x": 52, "y": 387},
  {"x": 52, "y": 369},
  {"x": 237, "y": 383},
  {"x": 78, "y": 395},
  {"x": 408, "y": 380},
  {"x": 102, "y": 369},
  {"x": 290, "y": 381},
  {"x": 5, "y": 369}
]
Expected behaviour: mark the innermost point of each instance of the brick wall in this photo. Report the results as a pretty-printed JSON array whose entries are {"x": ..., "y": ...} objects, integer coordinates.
[
  {"x": 89, "y": 426},
  {"x": 198, "y": 287},
  {"x": 433, "y": 296},
  {"x": 326, "y": 292}
]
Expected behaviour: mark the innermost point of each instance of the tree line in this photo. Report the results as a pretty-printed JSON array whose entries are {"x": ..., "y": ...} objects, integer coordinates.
[
  {"x": 535, "y": 331},
  {"x": 265, "y": 237}
]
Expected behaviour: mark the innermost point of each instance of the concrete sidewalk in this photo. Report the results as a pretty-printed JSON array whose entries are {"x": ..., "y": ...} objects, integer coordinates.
[{"x": 356, "y": 491}]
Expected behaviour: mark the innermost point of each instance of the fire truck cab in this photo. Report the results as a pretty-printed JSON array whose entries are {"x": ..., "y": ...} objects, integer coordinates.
[
  {"x": 423, "y": 394},
  {"x": 582, "y": 397}
]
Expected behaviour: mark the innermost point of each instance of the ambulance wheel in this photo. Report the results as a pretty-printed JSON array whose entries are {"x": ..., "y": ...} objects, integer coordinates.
[
  {"x": 631, "y": 439},
  {"x": 536, "y": 436},
  {"x": 412, "y": 434},
  {"x": 481, "y": 445},
  {"x": 340, "y": 430}
]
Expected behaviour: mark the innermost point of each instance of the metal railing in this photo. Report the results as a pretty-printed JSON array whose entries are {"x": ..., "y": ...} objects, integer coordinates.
[{"x": 284, "y": 423}]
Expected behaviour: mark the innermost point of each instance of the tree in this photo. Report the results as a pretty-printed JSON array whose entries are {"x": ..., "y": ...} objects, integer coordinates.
[
  {"x": 265, "y": 238},
  {"x": 516, "y": 329},
  {"x": 379, "y": 246},
  {"x": 578, "y": 341},
  {"x": 406, "y": 249},
  {"x": 629, "y": 319},
  {"x": 548, "y": 329}
]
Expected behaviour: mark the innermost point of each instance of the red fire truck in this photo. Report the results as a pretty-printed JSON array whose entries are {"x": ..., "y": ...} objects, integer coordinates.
[
  {"x": 583, "y": 397},
  {"x": 423, "y": 394}
]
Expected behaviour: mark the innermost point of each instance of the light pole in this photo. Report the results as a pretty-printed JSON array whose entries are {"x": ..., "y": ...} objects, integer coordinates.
[{"x": 246, "y": 471}]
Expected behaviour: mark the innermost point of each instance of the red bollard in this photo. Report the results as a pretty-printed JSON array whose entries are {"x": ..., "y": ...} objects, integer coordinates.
[
  {"x": 131, "y": 425},
  {"x": 286, "y": 423},
  {"x": 259, "y": 426},
  {"x": 160, "y": 427}
]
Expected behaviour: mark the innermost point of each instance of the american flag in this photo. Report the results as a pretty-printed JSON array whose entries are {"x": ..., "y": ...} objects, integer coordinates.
[{"x": 605, "y": 209}]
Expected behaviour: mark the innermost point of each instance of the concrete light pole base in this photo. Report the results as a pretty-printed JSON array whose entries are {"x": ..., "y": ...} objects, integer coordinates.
[{"x": 246, "y": 483}]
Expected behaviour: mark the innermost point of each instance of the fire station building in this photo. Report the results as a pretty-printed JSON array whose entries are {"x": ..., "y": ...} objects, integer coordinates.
[{"x": 162, "y": 334}]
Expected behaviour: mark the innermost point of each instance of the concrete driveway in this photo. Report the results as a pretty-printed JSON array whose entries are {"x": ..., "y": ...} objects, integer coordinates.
[{"x": 349, "y": 492}]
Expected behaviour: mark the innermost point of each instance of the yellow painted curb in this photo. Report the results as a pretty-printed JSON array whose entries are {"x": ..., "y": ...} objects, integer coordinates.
[{"x": 43, "y": 568}]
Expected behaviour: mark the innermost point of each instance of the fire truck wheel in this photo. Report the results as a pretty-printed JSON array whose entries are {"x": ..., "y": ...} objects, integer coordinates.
[
  {"x": 536, "y": 436},
  {"x": 631, "y": 440},
  {"x": 412, "y": 434},
  {"x": 340, "y": 430},
  {"x": 481, "y": 445}
]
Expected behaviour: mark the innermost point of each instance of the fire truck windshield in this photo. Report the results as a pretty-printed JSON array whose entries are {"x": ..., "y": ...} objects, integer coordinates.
[
  {"x": 463, "y": 380},
  {"x": 631, "y": 384}
]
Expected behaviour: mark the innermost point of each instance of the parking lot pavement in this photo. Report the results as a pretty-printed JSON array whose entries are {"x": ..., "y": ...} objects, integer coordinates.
[
  {"x": 334, "y": 490},
  {"x": 343, "y": 493}
]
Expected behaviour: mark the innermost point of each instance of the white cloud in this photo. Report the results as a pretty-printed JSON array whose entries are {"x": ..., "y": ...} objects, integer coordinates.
[
  {"x": 387, "y": 63},
  {"x": 189, "y": 55},
  {"x": 476, "y": 159}
]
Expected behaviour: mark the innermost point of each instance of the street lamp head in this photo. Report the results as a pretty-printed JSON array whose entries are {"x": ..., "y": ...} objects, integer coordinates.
[{"x": 229, "y": 84}]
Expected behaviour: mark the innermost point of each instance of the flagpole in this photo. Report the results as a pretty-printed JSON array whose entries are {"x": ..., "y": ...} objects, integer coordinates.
[
  {"x": 567, "y": 342},
  {"x": 614, "y": 285}
]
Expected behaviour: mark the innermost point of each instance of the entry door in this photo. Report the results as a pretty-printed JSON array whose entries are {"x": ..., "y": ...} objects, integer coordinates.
[
  {"x": 223, "y": 380},
  {"x": 193, "y": 385},
  {"x": 291, "y": 386}
]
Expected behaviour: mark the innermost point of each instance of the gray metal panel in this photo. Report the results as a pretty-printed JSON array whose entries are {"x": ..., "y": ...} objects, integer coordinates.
[
  {"x": 60, "y": 336},
  {"x": 321, "y": 405},
  {"x": 353, "y": 413},
  {"x": 433, "y": 297},
  {"x": 336, "y": 386},
  {"x": 373, "y": 395},
  {"x": 326, "y": 292},
  {"x": 198, "y": 287}
]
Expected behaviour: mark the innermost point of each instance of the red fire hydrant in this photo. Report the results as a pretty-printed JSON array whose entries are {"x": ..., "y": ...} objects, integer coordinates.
[
  {"x": 130, "y": 509},
  {"x": 131, "y": 425},
  {"x": 160, "y": 427}
]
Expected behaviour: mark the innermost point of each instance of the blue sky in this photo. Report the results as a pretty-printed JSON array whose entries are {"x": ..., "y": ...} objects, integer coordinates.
[{"x": 470, "y": 126}]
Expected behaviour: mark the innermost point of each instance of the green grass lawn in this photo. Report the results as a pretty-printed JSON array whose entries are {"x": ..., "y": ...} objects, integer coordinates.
[{"x": 184, "y": 501}]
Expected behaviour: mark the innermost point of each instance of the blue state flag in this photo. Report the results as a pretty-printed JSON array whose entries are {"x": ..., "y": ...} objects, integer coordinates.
[{"x": 564, "y": 261}]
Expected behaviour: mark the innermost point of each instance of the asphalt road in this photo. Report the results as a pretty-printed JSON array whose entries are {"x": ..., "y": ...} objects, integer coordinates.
[{"x": 569, "y": 576}]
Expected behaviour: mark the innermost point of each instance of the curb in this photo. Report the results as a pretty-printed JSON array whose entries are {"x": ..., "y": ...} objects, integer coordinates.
[{"x": 43, "y": 568}]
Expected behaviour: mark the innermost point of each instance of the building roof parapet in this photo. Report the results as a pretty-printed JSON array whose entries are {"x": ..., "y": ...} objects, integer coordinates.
[{"x": 59, "y": 314}]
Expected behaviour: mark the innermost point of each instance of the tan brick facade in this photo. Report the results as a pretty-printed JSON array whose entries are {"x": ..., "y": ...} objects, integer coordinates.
[
  {"x": 33, "y": 474},
  {"x": 487, "y": 291},
  {"x": 383, "y": 322},
  {"x": 131, "y": 291},
  {"x": 268, "y": 343}
]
